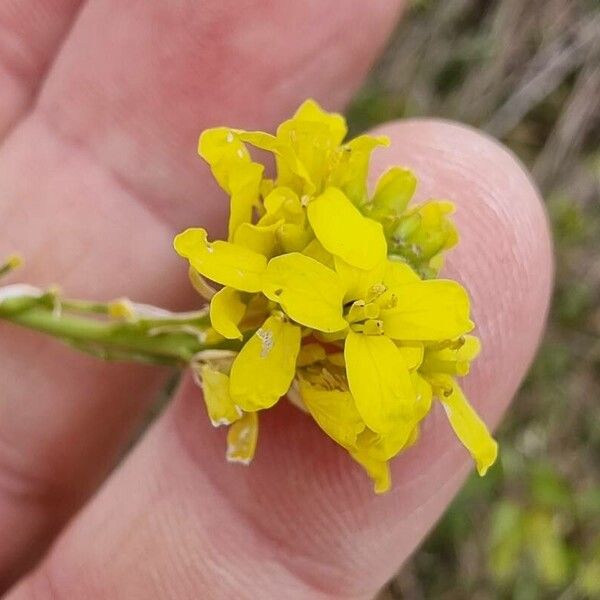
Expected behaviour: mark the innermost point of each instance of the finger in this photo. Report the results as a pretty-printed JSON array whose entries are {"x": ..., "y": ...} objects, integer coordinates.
[
  {"x": 228, "y": 62},
  {"x": 30, "y": 33},
  {"x": 302, "y": 522},
  {"x": 107, "y": 135}
]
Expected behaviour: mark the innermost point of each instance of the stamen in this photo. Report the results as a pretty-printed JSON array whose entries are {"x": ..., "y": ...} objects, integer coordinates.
[
  {"x": 360, "y": 311},
  {"x": 371, "y": 310},
  {"x": 373, "y": 327},
  {"x": 375, "y": 292}
]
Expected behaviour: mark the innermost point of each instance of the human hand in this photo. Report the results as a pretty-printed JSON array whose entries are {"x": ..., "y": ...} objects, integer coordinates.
[{"x": 98, "y": 171}]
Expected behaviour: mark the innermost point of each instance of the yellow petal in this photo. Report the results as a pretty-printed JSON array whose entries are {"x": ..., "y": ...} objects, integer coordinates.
[
  {"x": 412, "y": 354},
  {"x": 336, "y": 359},
  {"x": 379, "y": 381},
  {"x": 386, "y": 446},
  {"x": 345, "y": 232},
  {"x": 393, "y": 191},
  {"x": 314, "y": 249},
  {"x": 264, "y": 369},
  {"x": 241, "y": 439},
  {"x": 398, "y": 274},
  {"x": 313, "y": 136},
  {"x": 310, "y": 293},
  {"x": 470, "y": 349},
  {"x": 289, "y": 164},
  {"x": 260, "y": 239},
  {"x": 334, "y": 411},
  {"x": 223, "y": 262},
  {"x": 220, "y": 407},
  {"x": 378, "y": 470},
  {"x": 470, "y": 429},
  {"x": 293, "y": 238},
  {"x": 359, "y": 282},
  {"x": 423, "y": 395},
  {"x": 351, "y": 173},
  {"x": 428, "y": 310},
  {"x": 309, "y": 354},
  {"x": 222, "y": 149},
  {"x": 282, "y": 206},
  {"x": 244, "y": 184},
  {"x": 259, "y": 139},
  {"x": 282, "y": 203},
  {"x": 205, "y": 289},
  {"x": 226, "y": 312},
  {"x": 310, "y": 111},
  {"x": 413, "y": 438},
  {"x": 234, "y": 170}
]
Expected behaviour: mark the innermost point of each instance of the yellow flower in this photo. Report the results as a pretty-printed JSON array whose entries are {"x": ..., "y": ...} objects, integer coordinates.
[
  {"x": 442, "y": 363},
  {"x": 323, "y": 295}
]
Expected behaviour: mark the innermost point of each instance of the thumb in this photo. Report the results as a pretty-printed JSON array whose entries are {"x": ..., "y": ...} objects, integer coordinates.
[{"x": 302, "y": 521}]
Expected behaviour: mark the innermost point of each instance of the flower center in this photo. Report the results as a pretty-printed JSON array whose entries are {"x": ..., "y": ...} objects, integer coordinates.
[{"x": 363, "y": 318}]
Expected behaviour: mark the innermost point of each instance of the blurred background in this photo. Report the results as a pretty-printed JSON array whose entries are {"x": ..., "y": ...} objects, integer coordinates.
[{"x": 527, "y": 72}]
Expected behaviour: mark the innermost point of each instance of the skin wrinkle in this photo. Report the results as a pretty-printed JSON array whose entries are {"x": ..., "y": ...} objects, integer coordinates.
[
  {"x": 80, "y": 146},
  {"x": 188, "y": 547},
  {"x": 312, "y": 68},
  {"x": 187, "y": 562},
  {"x": 18, "y": 482},
  {"x": 43, "y": 588},
  {"x": 76, "y": 264},
  {"x": 28, "y": 58},
  {"x": 44, "y": 24},
  {"x": 299, "y": 564},
  {"x": 200, "y": 485},
  {"x": 280, "y": 513},
  {"x": 386, "y": 536},
  {"x": 290, "y": 557},
  {"x": 30, "y": 477},
  {"x": 410, "y": 527}
]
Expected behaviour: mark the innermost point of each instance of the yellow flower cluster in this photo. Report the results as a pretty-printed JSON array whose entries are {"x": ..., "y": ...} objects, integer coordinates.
[{"x": 333, "y": 294}]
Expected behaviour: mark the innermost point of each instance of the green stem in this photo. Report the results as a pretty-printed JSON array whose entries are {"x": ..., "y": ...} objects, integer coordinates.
[{"x": 173, "y": 339}]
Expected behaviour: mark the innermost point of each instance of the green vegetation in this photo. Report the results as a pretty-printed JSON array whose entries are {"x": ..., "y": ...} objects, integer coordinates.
[{"x": 528, "y": 73}]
